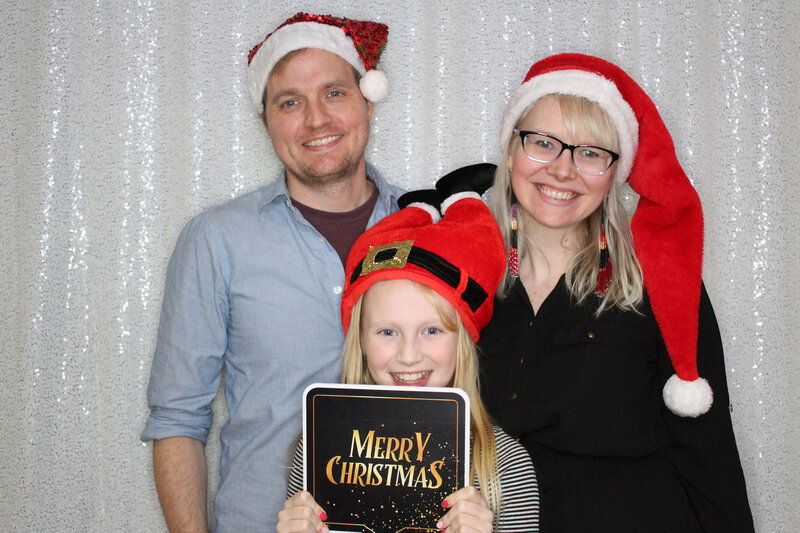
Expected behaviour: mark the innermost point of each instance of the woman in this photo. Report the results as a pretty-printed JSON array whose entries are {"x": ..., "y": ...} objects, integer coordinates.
[
  {"x": 597, "y": 315},
  {"x": 418, "y": 293}
]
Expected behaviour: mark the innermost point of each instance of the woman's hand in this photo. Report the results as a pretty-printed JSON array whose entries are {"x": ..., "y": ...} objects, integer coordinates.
[
  {"x": 468, "y": 512},
  {"x": 301, "y": 514}
]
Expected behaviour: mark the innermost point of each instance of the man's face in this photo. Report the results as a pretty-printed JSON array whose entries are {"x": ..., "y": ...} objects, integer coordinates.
[{"x": 317, "y": 118}]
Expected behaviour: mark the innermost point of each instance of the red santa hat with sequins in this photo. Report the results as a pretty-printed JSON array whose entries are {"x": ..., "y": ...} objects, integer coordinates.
[
  {"x": 358, "y": 42},
  {"x": 668, "y": 223},
  {"x": 461, "y": 256}
]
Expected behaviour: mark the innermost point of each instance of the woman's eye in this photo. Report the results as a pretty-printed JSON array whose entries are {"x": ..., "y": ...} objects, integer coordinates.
[{"x": 589, "y": 154}]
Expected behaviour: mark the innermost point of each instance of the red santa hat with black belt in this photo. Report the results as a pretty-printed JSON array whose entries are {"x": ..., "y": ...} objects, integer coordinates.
[
  {"x": 359, "y": 42},
  {"x": 668, "y": 223},
  {"x": 459, "y": 254}
]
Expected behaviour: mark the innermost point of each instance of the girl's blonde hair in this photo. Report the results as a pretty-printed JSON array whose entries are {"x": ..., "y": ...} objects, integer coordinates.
[
  {"x": 483, "y": 457},
  {"x": 584, "y": 117}
]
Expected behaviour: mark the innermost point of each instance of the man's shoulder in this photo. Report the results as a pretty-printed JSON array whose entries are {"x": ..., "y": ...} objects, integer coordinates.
[
  {"x": 227, "y": 222},
  {"x": 242, "y": 209},
  {"x": 245, "y": 203}
]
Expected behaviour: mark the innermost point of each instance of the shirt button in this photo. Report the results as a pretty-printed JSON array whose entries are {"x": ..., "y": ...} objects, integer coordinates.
[
  {"x": 530, "y": 323},
  {"x": 591, "y": 335},
  {"x": 337, "y": 290},
  {"x": 513, "y": 396},
  {"x": 521, "y": 360}
]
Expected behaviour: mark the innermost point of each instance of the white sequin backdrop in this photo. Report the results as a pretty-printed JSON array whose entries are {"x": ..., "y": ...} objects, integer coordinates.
[{"x": 120, "y": 120}]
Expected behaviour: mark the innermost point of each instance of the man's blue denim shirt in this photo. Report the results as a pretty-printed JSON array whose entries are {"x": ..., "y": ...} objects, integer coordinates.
[{"x": 253, "y": 287}]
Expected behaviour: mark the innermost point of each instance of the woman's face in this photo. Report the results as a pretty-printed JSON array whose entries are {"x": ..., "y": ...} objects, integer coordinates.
[
  {"x": 554, "y": 195},
  {"x": 404, "y": 337}
]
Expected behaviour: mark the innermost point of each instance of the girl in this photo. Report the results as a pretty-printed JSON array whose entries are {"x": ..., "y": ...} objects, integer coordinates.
[{"x": 418, "y": 292}]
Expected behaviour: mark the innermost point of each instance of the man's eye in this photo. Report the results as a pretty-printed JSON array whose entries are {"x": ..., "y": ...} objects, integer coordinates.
[
  {"x": 336, "y": 93},
  {"x": 288, "y": 103}
]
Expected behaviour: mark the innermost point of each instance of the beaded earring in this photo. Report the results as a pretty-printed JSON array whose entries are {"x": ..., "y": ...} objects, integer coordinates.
[
  {"x": 605, "y": 272},
  {"x": 513, "y": 252}
]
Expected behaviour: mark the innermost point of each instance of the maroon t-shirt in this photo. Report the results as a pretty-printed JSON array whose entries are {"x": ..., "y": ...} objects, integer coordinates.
[{"x": 340, "y": 229}]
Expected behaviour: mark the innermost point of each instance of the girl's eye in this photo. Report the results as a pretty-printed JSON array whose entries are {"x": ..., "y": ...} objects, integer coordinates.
[
  {"x": 386, "y": 332},
  {"x": 432, "y": 331}
]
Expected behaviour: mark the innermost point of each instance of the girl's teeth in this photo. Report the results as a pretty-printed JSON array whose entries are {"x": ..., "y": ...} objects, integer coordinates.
[{"x": 411, "y": 378}]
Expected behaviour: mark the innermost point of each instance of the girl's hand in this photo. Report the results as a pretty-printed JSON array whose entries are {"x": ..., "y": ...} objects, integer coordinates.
[
  {"x": 301, "y": 514},
  {"x": 468, "y": 512}
]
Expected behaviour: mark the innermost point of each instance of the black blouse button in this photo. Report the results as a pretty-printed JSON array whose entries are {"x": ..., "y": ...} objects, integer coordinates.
[
  {"x": 521, "y": 360},
  {"x": 591, "y": 335},
  {"x": 513, "y": 396},
  {"x": 530, "y": 323}
]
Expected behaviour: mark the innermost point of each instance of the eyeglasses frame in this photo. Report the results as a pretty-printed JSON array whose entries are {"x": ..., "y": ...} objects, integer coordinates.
[{"x": 564, "y": 146}]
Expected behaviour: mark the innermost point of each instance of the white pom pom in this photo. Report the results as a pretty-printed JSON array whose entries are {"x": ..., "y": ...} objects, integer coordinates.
[
  {"x": 374, "y": 85},
  {"x": 688, "y": 398}
]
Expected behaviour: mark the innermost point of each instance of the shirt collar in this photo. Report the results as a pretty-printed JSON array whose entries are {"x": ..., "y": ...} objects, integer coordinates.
[{"x": 279, "y": 191}]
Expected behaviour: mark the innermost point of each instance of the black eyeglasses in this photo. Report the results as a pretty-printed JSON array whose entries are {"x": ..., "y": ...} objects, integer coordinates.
[{"x": 546, "y": 149}]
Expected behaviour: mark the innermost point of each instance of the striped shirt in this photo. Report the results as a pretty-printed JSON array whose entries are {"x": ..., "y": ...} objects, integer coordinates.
[{"x": 519, "y": 508}]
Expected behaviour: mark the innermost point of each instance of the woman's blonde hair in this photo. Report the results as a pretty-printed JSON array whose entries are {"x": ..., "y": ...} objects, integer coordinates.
[
  {"x": 483, "y": 457},
  {"x": 581, "y": 117}
]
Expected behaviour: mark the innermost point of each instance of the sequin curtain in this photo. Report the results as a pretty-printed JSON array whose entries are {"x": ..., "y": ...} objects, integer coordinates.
[{"x": 120, "y": 120}]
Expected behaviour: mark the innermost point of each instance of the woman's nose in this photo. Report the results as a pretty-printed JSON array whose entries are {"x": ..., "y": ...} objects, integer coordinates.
[{"x": 562, "y": 167}]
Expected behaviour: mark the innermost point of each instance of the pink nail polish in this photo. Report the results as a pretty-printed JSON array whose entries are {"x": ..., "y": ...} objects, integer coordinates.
[
  {"x": 445, "y": 504},
  {"x": 322, "y": 515}
]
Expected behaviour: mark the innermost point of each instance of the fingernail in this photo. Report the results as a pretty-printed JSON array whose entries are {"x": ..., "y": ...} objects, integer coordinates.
[
  {"x": 445, "y": 504},
  {"x": 439, "y": 524},
  {"x": 322, "y": 515}
]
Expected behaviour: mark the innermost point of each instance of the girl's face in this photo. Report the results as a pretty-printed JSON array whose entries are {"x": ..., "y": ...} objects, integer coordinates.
[
  {"x": 554, "y": 195},
  {"x": 404, "y": 337}
]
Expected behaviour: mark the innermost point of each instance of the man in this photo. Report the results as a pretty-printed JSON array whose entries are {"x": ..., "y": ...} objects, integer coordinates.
[{"x": 254, "y": 285}]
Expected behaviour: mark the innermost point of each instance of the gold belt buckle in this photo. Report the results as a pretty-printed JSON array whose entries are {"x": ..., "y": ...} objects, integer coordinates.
[{"x": 398, "y": 260}]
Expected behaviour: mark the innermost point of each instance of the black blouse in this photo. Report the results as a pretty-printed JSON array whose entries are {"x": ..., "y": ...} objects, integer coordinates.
[{"x": 584, "y": 396}]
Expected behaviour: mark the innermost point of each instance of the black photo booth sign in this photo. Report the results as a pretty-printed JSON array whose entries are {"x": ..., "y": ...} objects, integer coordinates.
[{"x": 382, "y": 459}]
